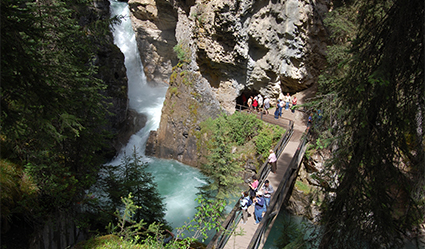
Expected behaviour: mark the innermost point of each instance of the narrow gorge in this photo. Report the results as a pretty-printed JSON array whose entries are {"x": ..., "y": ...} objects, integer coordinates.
[{"x": 227, "y": 49}]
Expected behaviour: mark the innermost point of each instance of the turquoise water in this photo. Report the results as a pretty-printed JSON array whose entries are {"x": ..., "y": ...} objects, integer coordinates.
[{"x": 291, "y": 225}]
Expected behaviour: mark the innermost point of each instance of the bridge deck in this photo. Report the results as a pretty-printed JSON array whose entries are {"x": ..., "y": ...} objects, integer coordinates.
[{"x": 242, "y": 241}]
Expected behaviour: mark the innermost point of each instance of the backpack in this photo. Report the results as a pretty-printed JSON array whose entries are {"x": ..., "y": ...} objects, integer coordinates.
[{"x": 243, "y": 202}]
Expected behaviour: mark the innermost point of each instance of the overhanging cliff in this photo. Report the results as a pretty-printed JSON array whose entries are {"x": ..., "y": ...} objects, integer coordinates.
[{"x": 231, "y": 48}]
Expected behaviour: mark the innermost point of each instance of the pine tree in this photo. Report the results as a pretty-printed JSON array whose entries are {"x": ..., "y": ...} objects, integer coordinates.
[
  {"x": 379, "y": 106},
  {"x": 130, "y": 177},
  {"x": 52, "y": 106},
  {"x": 222, "y": 168}
]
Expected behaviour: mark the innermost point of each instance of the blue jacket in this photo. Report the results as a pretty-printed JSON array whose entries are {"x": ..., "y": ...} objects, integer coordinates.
[{"x": 260, "y": 202}]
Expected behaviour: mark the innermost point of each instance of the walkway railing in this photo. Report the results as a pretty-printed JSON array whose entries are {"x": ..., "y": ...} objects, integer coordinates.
[
  {"x": 241, "y": 108},
  {"x": 279, "y": 198},
  {"x": 221, "y": 237}
]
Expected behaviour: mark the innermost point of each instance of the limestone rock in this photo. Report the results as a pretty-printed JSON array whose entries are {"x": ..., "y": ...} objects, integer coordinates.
[
  {"x": 188, "y": 102},
  {"x": 154, "y": 23},
  {"x": 230, "y": 48}
]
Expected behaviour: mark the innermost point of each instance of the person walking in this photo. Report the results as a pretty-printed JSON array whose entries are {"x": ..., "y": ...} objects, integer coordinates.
[
  {"x": 268, "y": 190},
  {"x": 243, "y": 99},
  {"x": 294, "y": 103},
  {"x": 250, "y": 104},
  {"x": 245, "y": 202},
  {"x": 309, "y": 121},
  {"x": 273, "y": 161},
  {"x": 287, "y": 100},
  {"x": 259, "y": 207},
  {"x": 260, "y": 101},
  {"x": 276, "y": 111},
  {"x": 267, "y": 104},
  {"x": 281, "y": 104},
  {"x": 253, "y": 186},
  {"x": 255, "y": 103}
]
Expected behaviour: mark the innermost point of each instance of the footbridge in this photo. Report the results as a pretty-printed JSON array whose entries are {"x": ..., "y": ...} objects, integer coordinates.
[{"x": 290, "y": 151}]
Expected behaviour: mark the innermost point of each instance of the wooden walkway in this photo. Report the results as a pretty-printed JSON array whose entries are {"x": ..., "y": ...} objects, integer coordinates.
[{"x": 248, "y": 229}]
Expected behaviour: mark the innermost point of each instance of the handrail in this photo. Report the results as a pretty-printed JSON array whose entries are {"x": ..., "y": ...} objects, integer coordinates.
[
  {"x": 279, "y": 197},
  {"x": 280, "y": 146},
  {"x": 220, "y": 239}
]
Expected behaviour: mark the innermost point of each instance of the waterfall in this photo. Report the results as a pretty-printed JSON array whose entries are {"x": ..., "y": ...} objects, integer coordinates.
[{"x": 177, "y": 183}]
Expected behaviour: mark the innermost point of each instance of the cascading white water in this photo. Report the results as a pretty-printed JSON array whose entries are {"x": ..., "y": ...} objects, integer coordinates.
[{"x": 177, "y": 183}]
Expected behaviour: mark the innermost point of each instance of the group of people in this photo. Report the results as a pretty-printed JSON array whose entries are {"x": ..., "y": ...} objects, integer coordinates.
[
  {"x": 286, "y": 102},
  {"x": 260, "y": 198},
  {"x": 257, "y": 103}
]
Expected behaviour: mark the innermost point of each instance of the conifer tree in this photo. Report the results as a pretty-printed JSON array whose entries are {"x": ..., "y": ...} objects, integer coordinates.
[
  {"x": 222, "y": 168},
  {"x": 378, "y": 106},
  {"x": 130, "y": 177},
  {"x": 52, "y": 106}
]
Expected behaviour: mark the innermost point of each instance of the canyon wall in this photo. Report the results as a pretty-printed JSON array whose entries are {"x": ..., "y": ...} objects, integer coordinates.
[{"x": 226, "y": 49}]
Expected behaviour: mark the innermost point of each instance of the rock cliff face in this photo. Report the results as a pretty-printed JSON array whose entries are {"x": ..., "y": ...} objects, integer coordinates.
[
  {"x": 154, "y": 22},
  {"x": 189, "y": 101},
  {"x": 234, "y": 48}
]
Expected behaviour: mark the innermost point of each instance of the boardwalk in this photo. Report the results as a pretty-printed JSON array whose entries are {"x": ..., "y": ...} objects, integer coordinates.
[{"x": 242, "y": 241}]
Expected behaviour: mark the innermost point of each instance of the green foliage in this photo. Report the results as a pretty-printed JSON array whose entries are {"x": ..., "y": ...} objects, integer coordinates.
[
  {"x": 302, "y": 187},
  {"x": 174, "y": 91},
  {"x": 107, "y": 241},
  {"x": 53, "y": 180},
  {"x": 342, "y": 24},
  {"x": 243, "y": 127},
  {"x": 373, "y": 96},
  {"x": 130, "y": 233},
  {"x": 208, "y": 217},
  {"x": 130, "y": 177},
  {"x": 267, "y": 138},
  {"x": 19, "y": 191},
  {"x": 127, "y": 228},
  {"x": 52, "y": 104},
  {"x": 182, "y": 51},
  {"x": 225, "y": 133},
  {"x": 222, "y": 168}
]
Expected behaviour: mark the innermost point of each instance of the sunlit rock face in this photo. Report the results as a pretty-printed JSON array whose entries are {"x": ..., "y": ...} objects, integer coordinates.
[
  {"x": 238, "y": 47},
  {"x": 266, "y": 47}
]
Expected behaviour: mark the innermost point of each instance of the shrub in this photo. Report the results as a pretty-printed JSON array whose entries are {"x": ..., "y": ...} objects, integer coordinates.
[
  {"x": 174, "y": 91},
  {"x": 267, "y": 138},
  {"x": 243, "y": 127},
  {"x": 182, "y": 52}
]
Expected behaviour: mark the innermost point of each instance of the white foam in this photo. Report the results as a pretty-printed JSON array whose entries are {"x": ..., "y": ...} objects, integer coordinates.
[{"x": 177, "y": 183}]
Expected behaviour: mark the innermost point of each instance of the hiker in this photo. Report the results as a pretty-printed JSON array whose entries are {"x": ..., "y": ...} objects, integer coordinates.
[
  {"x": 253, "y": 186},
  {"x": 245, "y": 202},
  {"x": 260, "y": 101},
  {"x": 294, "y": 103},
  {"x": 260, "y": 207},
  {"x": 268, "y": 190},
  {"x": 267, "y": 104},
  {"x": 272, "y": 160},
  {"x": 287, "y": 99},
  {"x": 250, "y": 104},
  {"x": 281, "y": 105},
  {"x": 255, "y": 103}
]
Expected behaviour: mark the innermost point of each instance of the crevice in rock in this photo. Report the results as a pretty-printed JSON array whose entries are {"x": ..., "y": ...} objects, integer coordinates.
[{"x": 256, "y": 50}]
